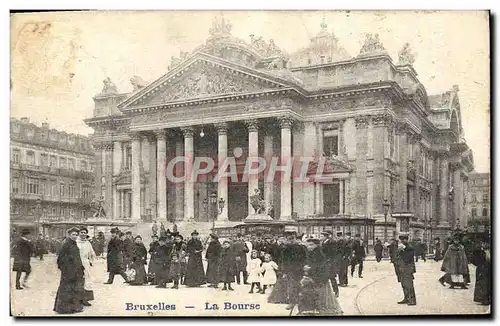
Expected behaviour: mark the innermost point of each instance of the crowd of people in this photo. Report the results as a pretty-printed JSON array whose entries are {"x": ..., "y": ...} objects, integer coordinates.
[{"x": 298, "y": 271}]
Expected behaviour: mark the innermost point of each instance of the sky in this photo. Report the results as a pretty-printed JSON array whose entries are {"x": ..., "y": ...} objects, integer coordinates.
[{"x": 59, "y": 60}]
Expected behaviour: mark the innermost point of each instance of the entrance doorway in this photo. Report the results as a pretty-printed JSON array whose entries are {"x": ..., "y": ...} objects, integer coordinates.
[
  {"x": 331, "y": 199},
  {"x": 237, "y": 201}
]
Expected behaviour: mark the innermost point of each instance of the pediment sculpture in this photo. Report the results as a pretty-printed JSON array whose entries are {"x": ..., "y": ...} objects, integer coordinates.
[
  {"x": 138, "y": 83},
  {"x": 207, "y": 83},
  {"x": 108, "y": 87},
  {"x": 372, "y": 45},
  {"x": 406, "y": 57},
  {"x": 264, "y": 49}
]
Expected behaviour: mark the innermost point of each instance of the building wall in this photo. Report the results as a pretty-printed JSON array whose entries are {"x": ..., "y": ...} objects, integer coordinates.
[
  {"x": 64, "y": 191},
  {"x": 478, "y": 196}
]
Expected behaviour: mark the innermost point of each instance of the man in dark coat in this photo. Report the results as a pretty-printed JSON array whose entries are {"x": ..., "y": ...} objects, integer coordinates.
[
  {"x": 437, "y": 250},
  {"x": 22, "y": 251},
  {"x": 152, "y": 260},
  {"x": 40, "y": 247},
  {"x": 329, "y": 248},
  {"x": 115, "y": 257},
  {"x": 293, "y": 257},
  {"x": 240, "y": 250},
  {"x": 213, "y": 258},
  {"x": 406, "y": 265},
  {"x": 378, "y": 248},
  {"x": 346, "y": 248},
  {"x": 179, "y": 248},
  {"x": 455, "y": 263},
  {"x": 393, "y": 251},
  {"x": 195, "y": 274},
  {"x": 228, "y": 265},
  {"x": 163, "y": 256},
  {"x": 358, "y": 255},
  {"x": 70, "y": 293}
]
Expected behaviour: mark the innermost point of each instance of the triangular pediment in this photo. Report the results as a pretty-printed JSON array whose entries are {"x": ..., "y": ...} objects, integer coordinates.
[{"x": 202, "y": 77}]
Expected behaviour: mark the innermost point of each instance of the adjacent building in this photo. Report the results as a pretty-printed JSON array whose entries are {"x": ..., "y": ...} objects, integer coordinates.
[
  {"x": 479, "y": 200},
  {"x": 387, "y": 143},
  {"x": 52, "y": 175}
]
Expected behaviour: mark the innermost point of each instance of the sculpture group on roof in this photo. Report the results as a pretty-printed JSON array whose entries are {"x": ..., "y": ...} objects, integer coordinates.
[
  {"x": 219, "y": 26},
  {"x": 263, "y": 48},
  {"x": 175, "y": 61},
  {"x": 372, "y": 44},
  {"x": 108, "y": 87},
  {"x": 406, "y": 57}
]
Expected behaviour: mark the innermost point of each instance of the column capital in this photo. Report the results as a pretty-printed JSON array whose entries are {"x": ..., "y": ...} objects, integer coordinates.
[
  {"x": 252, "y": 125},
  {"x": 160, "y": 134},
  {"x": 221, "y": 128},
  {"x": 285, "y": 122},
  {"x": 135, "y": 136},
  {"x": 362, "y": 122},
  {"x": 188, "y": 132},
  {"x": 415, "y": 138},
  {"x": 382, "y": 120},
  {"x": 105, "y": 146}
]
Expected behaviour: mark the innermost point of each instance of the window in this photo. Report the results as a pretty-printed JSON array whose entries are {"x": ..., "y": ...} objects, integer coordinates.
[
  {"x": 485, "y": 182},
  {"x": 62, "y": 190},
  {"x": 71, "y": 164},
  {"x": 392, "y": 139},
  {"x": 474, "y": 198},
  {"x": 85, "y": 191},
  {"x": 53, "y": 161},
  {"x": 331, "y": 142},
  {"x": 62, "y": 163},
  {"x": 54, "y": 188},
  {"x": 72, "y": 213},
  {"x": 32, "y": 185},
  {"x": 331, "y": 199},
  {"x": 83, "y": 165},
  {"x": 54, "y": 212},
  {"x": 422, "y": 164},
  {"x": 30, "y": 158},
  {"x": 485, "y": 197},
  {"x": 485, "y": 211},
  {"x": 71, "y": 191},
  {"x": 15, "y": 185},
  {"x": 16, "y": 156},
  {"x": 44, "y": 159},
  {"x": 474, "y": 182}
]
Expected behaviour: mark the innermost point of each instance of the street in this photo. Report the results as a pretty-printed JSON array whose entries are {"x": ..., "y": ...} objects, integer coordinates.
[{"x": 375, "y": 294}]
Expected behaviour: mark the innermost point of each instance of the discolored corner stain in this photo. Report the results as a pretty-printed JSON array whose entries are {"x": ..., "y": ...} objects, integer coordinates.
[{"x": 45, "y": 55}]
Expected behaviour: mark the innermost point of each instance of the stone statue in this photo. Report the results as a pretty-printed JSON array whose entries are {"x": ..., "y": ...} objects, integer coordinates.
[
  {"x": 108, "y": 87},
  {"x": 372, "y": 45},
  {"x": 406, "y": 57},
  {"x": 98, "y": 208},
  {"x": 258, "y": 202},
  {"x": 138, "y": 83},
  {"x": 219, "y": 26}
]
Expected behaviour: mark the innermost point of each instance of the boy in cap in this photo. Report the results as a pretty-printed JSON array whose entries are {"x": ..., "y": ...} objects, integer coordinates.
[{"x": 23, "y": 250}]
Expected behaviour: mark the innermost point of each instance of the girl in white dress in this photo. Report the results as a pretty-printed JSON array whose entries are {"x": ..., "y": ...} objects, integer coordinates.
[
  {"x": 254, "y": 275},
  {"x": 268, "y": 269}
]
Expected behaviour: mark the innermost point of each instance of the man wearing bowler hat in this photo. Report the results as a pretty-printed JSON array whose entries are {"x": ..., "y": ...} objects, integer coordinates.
[
  {"x": 22, "y": 250},
  {"x": 358, "y": 255},
  {"x": 406, "y": 267},
  {"x": 329, "y": 250},
  {"x": 346, "y": 249}
]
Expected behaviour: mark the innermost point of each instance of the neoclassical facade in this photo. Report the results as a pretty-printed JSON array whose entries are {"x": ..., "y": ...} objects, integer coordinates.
[{"x": 383, "y": 138}]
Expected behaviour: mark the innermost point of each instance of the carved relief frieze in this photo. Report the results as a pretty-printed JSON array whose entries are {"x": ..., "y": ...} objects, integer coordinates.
[{"x": 362, "y": 122}]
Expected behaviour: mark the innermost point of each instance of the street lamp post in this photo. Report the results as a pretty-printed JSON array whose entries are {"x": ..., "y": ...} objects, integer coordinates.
[
  {"x": 386, "y": 211},
  {"x": 205, "y": 206},
  {"x": 213, "y": 202}
]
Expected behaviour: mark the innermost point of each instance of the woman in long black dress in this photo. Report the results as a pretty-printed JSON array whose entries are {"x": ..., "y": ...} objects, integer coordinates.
[
  {"x": 481, "y": 258},
  {"x": 195, "y": 274},
  {"x": 70, "y": 292},
  {"x": 139, "y": 259},
  {"x": 213, "y": 257}
]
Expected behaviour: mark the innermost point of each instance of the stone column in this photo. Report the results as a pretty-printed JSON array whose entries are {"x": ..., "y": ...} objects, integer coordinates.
[
  {"x": 457, "y": 189},
  {"x": 268, "y": 155},
  {"x": 286, "y": 156},
  {"x": 341, "y": 197},
  {"x": 152, "y": 191},
  {"x": 222, "y": 185},
  {"x": 179, "y": 187},
  {"x": 122, "y": 204},
  {"x": 444, "y": 188},
  {"x": 347, "y": 197},
  {"x": 161, "y": 177},
  {"x": 253, "y": 152},
  {"x": 117, "y": 164},
  {"x": 108, "y": 174},
  {"x": 403, "y": 168},
  {"x": 136, "y": 177},
  {"x": 317, "y": 198},
  {"x": 188, "y": 171},
  {"x": 416, "y": 160}
]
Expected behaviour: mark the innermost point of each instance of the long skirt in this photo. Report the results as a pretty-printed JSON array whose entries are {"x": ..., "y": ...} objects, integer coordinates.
[
  {"x": 286, "y": 290},
  {"x": 69, "y": 296},
  {"x": 140, "y": 273},
  {"x": 482, "y": 289},
  {"x": 212, "y": 271},
  {"x": 195, "y": 275},
  {"x": 327, "y": 304}
]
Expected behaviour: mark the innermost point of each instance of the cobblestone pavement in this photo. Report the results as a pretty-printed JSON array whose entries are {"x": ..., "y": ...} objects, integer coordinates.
[{"x": 376, "y": 293}]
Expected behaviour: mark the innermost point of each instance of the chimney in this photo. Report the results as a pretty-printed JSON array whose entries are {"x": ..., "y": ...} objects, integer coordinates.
[
  {"x": 25, "y": 120},
  {"x": 45, "y": 125}
]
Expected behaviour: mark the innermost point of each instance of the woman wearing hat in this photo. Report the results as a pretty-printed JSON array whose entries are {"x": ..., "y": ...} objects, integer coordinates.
[
  {"x": 455, "y": 264},
  {"x": 195, "y": 274},
  {"x": 139, "y": 259},
  {"x": 70, "y": 292},
  {"x": 87, "y": 255},
  {"x": 213, "y": 257}
]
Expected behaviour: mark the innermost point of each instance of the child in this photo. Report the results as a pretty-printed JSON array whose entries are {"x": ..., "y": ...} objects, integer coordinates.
[
  {"x": 268, "y": 270},
  {"x": 227, "y": 266},
  {"x": 175, "y": 271},
  {"x": 254, "y": 276}
]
